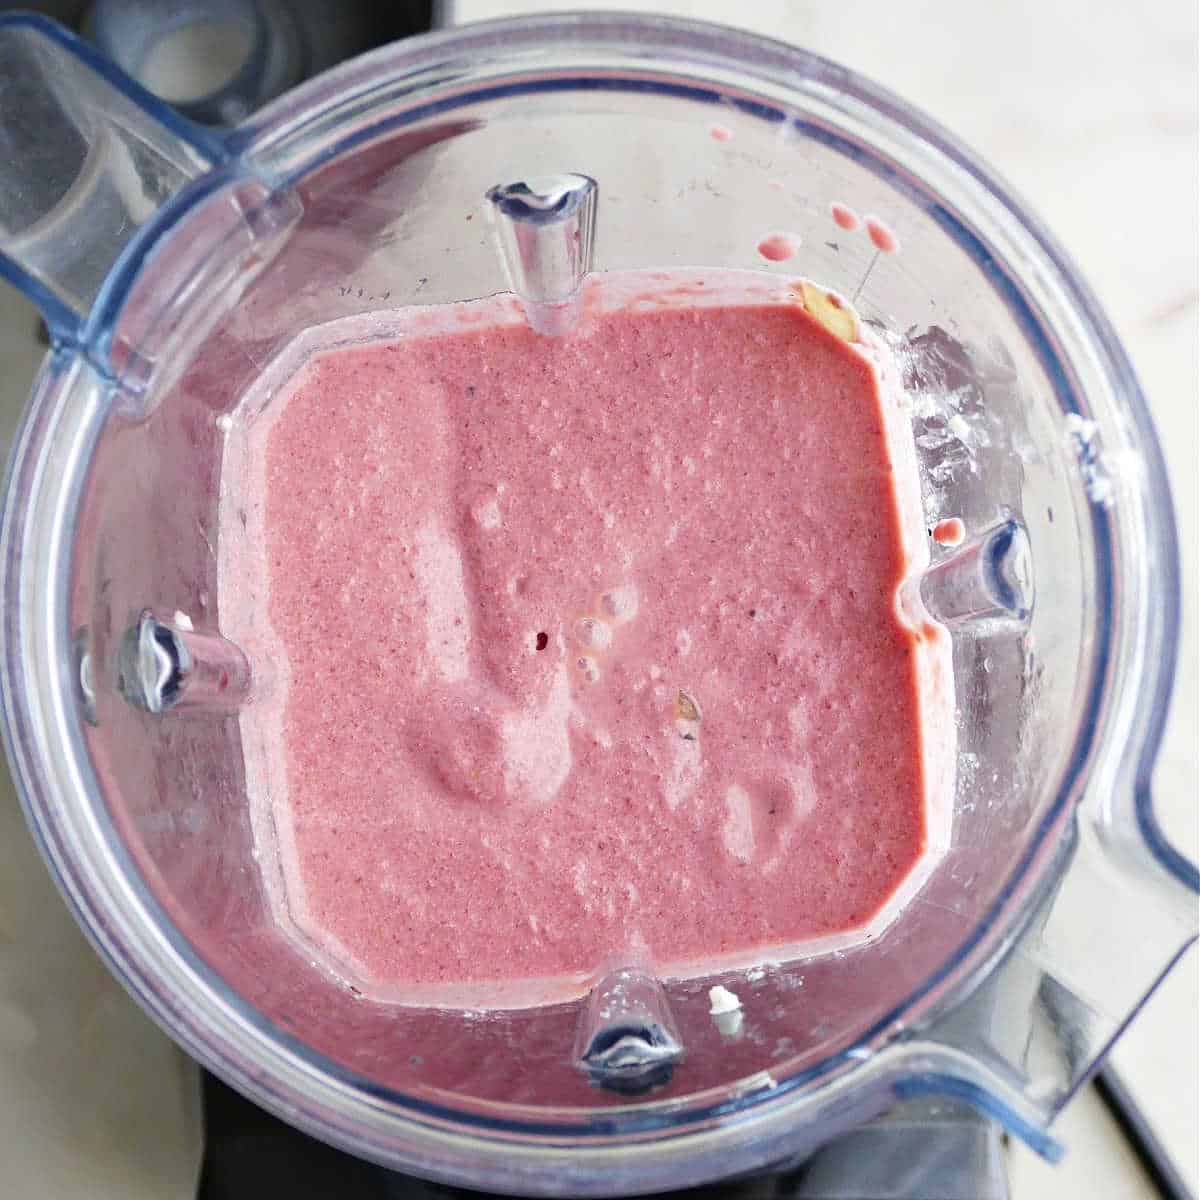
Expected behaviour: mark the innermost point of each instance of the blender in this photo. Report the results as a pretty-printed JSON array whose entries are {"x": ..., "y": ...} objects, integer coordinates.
[{"x": 175, "y": 265}]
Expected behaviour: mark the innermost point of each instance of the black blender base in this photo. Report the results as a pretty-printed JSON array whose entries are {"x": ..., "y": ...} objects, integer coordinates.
[{"x": 923, "y": 1150}]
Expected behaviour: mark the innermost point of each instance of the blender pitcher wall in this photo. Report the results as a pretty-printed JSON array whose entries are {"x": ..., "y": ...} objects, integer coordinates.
[
  {"x": 363, "y": 192},
  {"x": 383, "y": 218}
]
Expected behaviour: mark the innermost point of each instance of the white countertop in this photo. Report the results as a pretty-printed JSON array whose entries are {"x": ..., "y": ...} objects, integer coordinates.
[{"x": 1090, "y": 111}]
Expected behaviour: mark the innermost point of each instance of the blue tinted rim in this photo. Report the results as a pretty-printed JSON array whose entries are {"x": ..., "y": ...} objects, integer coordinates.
[{"x": 1010, "y": 292}]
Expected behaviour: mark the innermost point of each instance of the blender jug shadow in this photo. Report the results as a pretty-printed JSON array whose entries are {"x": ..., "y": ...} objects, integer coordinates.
[{"x": 176, "y": 267}]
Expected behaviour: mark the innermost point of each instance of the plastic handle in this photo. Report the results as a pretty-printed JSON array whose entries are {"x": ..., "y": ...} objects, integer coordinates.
[
  {"x": 87, "y": 156},
  {"x": 1099, "y": 943},
  {"x": 923, "y": 1149}
]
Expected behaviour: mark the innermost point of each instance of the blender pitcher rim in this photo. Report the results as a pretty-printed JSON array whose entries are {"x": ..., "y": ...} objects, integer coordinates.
[{"x": 1099, "y": 328}]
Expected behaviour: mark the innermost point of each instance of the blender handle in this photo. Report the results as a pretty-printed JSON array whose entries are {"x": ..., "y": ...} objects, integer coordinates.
[
  {"x": 1096, "y": 946},
  {"x": 89, "y": 157}
]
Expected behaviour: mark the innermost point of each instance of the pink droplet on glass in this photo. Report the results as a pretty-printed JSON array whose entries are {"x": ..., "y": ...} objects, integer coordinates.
[
  {"x": 950, "y": 531},
  {"x": 779, "y": 247},
  {"x": 844, "y": 216},
  {"x": 881, "y": 236}
]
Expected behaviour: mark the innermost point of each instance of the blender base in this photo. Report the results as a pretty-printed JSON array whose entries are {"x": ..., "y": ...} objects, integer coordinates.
[{"x": 924, "y": 1149}]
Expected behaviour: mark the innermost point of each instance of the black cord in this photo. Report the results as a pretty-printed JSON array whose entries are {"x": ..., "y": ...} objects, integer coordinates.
[{"x": 1151, "y": 1153}]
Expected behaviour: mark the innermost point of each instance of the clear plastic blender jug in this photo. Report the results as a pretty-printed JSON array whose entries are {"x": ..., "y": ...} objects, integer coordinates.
[{"x": 173, "y": 265}]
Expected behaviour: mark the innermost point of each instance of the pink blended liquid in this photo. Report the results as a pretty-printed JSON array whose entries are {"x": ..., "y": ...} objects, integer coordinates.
[{"x": 585, "y": 649}]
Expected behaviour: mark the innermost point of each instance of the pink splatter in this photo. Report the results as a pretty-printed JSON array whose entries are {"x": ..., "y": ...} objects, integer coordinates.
[
  {"x": 776, "y": 185},
  {"x": 949, "y": 531},
  {"x": 779, "y": 247},
  {"x": 882, "y": 237},
  {"x": 720, "y": 133},
  {"x": 844, "y": 216}
]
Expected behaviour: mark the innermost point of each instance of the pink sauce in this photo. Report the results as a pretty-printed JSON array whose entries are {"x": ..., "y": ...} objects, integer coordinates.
[
  {"x": 883, "y": 239},
  {"x": 720, "y": 133},
  {"x": 844, "y": 217},
  {"x": 588, "y": 648},
  {"x": 779, "y": 247}
]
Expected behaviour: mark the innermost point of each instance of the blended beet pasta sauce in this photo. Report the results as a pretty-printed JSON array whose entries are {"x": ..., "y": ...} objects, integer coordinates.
[{"x": 585, "y": 649}]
